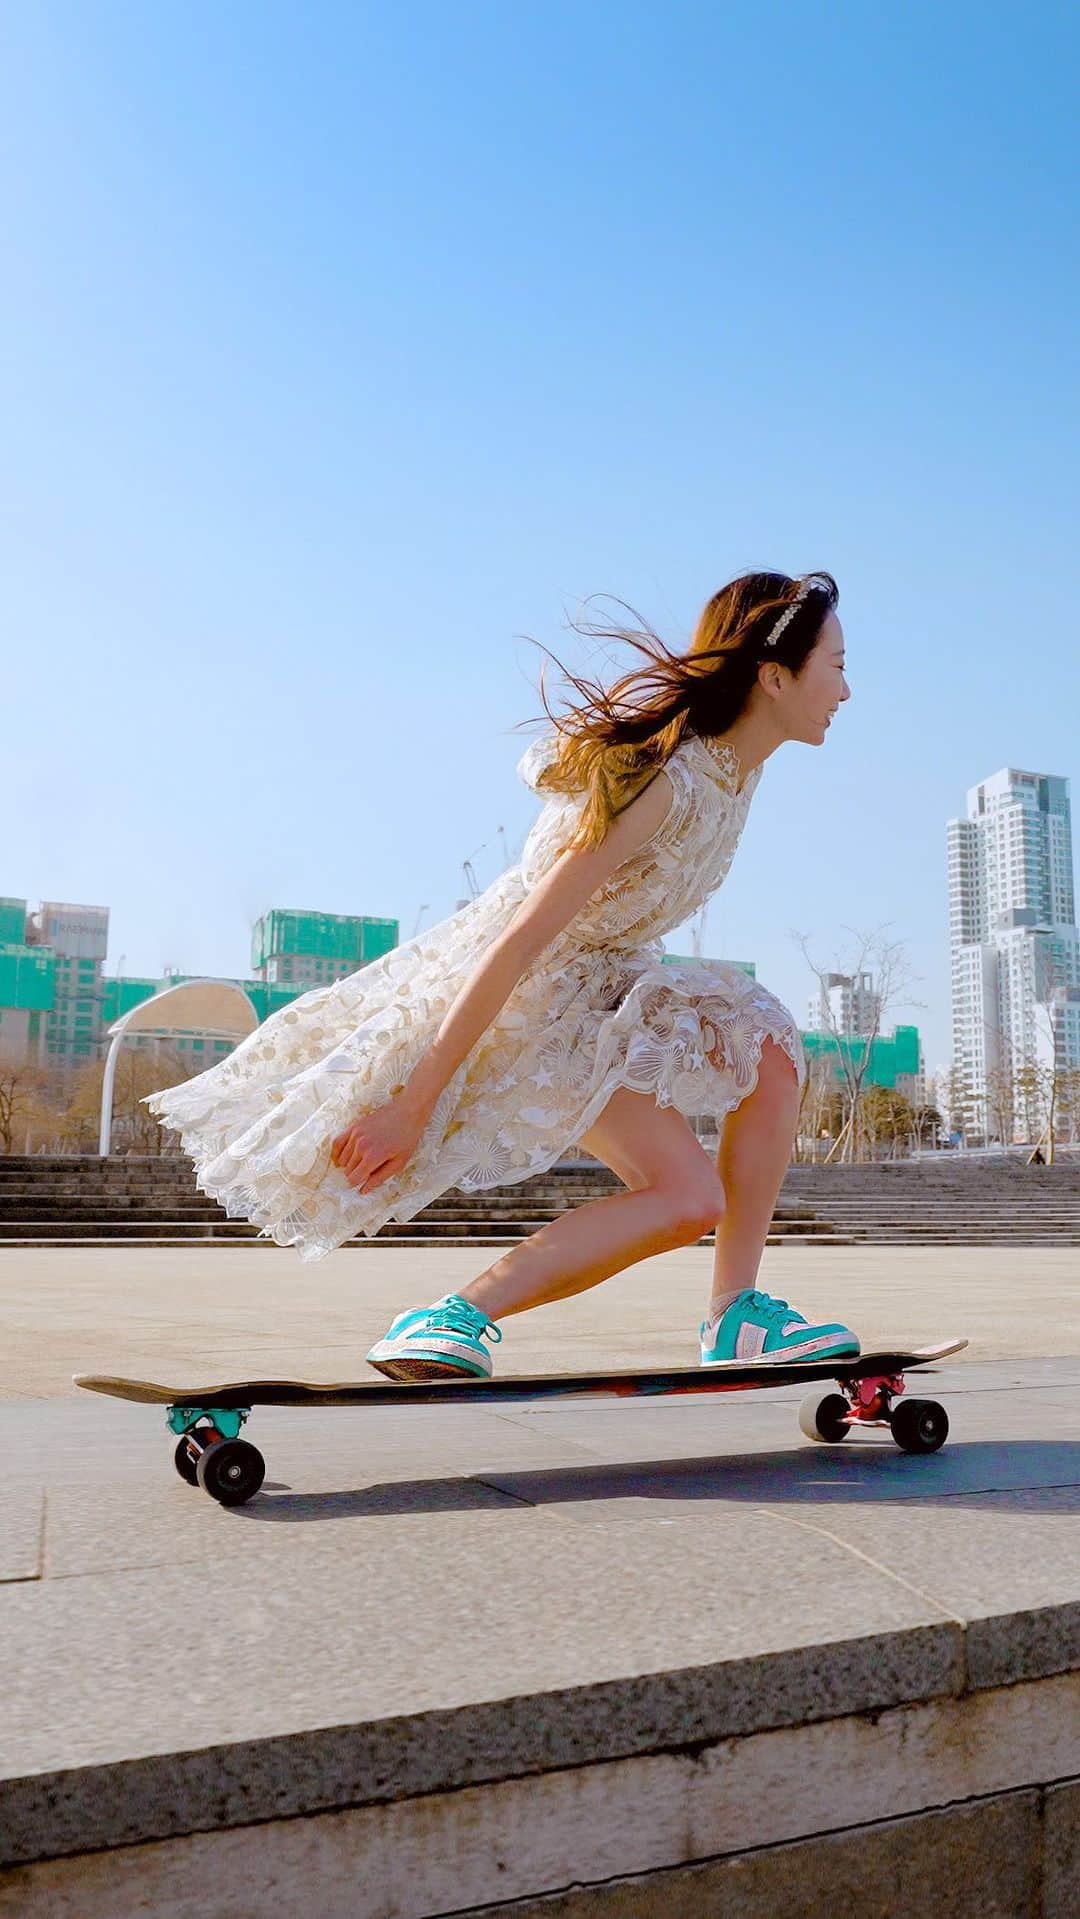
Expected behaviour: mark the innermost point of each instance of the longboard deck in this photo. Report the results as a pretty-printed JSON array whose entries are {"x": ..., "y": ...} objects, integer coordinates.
[{"x": 630, "y": 1383}]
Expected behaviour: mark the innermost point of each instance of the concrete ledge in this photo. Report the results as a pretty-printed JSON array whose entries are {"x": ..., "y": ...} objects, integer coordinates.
[
  {"x": 408, "y": 1756},
  {"x": 956, "y": 1788}
]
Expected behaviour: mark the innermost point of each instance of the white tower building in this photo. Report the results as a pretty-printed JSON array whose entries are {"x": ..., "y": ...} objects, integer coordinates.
[{"x": 1014, "y": 941}]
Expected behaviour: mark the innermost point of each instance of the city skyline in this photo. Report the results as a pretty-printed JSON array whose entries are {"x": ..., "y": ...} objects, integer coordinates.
[{"x": 843, "y": 1001}]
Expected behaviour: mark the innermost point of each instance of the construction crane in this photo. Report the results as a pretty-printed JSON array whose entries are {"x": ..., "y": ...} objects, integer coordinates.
[
  {"x": 467, "y": 868},
  {"x": 470, "y": 881}
]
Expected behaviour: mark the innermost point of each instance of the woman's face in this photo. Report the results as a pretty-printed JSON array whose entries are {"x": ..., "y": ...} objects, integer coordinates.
[{"x": 813, "y": 698}]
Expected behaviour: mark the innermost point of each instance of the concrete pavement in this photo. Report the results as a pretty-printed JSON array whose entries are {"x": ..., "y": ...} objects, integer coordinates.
[{"x": 556, "y": 1658}]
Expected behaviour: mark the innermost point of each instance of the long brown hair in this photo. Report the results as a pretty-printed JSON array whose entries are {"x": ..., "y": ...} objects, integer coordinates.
[{"x": 612, "y": 745}]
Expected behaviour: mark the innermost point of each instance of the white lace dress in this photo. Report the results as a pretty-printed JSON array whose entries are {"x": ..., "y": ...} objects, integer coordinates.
[{"x": 597, "y": 1010}]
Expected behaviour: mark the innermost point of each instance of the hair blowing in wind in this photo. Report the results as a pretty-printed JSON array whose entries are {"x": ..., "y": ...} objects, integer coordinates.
[{"x": 612, "y": 744}]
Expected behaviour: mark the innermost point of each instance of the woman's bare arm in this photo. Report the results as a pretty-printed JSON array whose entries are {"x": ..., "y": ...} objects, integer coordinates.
[{"x": 571, "y": 882}]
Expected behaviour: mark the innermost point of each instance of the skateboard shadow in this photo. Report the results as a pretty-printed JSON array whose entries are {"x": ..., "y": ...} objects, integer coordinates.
[{"x": 1041, "y": 1474}]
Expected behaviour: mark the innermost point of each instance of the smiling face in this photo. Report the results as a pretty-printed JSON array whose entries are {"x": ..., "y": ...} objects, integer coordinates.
[{"x": 809, "y": 702}]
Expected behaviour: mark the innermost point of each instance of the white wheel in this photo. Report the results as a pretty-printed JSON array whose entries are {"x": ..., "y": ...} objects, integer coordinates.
[{"x": 823, "y": 1417}]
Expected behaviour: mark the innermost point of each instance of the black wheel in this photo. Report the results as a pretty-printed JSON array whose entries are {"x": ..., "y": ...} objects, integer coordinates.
[
  {"x": 185, "y": 1465},
  {"x": 824, "y": 1417},
  {"x": 919, "y": 1425},
  {"x": 231, "y": 1471}
]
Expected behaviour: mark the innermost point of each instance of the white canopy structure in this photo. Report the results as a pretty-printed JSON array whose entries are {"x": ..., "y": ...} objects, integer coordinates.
[{"x": 213, "y": 1008}]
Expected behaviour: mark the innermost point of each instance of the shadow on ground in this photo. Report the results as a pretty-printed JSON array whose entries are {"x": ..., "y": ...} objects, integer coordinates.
[{"x": 994, "y": 1473}]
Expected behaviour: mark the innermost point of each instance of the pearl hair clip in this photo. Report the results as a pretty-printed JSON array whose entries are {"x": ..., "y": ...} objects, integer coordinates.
[{"x": 807, "y": 586}]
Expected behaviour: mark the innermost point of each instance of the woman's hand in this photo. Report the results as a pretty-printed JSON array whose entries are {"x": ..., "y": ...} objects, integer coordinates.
[{"x": 376, "y": 1147}]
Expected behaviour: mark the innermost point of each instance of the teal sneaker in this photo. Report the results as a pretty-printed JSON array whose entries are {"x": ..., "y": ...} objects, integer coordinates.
[
  {"x": 757, "y": 1328},
  {"x": 442, "y": 1341}
]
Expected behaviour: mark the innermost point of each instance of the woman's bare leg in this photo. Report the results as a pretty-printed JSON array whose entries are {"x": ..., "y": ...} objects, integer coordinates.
[
  {"x": 678, "y": 1197},
  {"x": 753, "y": 1156}
]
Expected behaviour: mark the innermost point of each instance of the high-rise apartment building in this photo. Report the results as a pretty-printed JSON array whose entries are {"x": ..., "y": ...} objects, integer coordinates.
[
  {"x": 1015, "y": 947},
  {"x": 845, "y": 1004},
  {"x": 51, "y": 988}
]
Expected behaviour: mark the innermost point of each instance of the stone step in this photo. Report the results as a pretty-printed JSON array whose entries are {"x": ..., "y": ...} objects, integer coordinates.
[
  {"x": 440, "y": 1217},
  {"x": 449, "y": 1232},
  {"x": 951, "y": 1216},
  {"x": 1067, "y": 1208},
  {"x": 382, "y": 1239},
  {"x": 419, "y": 1230},
  {"x": 62, "y": 1173}
]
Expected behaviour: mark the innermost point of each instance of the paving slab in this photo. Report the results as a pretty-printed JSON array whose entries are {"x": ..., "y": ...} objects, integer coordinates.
[
  {"x": 22, "y": 1515},
  {"x": 1004, "y": 1562}
]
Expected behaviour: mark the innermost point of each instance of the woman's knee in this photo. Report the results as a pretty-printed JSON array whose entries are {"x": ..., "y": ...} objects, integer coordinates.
[{"x": 696, "y": 1205}]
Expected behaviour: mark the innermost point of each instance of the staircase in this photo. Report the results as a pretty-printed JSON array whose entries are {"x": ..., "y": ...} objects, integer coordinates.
[
  {"x": 945, "y": 1201},
  {"x": 940, "y": 1201},
  {"x": 154, "y": 1201}
]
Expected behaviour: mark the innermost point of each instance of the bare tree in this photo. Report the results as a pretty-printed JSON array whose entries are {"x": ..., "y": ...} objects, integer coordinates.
[
  {"x": 1070, "y": 1105},
  {"x": 886, "y": 960},
  {"x": 80, "y": 1118},
  {"x": 1043, "y": 1079},
  {"x": 816, "y": 1106},
  {"x": 25, "y": 1093},
  {"x": 999, "y": 1083},
  {"x": 141, "y": 1070},
  {"x": 927, "y": 1119}
]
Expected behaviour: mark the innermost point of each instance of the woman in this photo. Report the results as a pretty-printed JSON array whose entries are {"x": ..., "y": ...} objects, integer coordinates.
[{"x": 542, "y": 1015}]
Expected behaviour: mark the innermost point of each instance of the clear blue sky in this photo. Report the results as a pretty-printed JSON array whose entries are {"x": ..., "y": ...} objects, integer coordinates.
[{"x": 341, "y": 345}]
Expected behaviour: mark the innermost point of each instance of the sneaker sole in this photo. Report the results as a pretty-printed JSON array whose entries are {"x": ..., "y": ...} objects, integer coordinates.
[
  {"x": 789, "y": 1357},
  {"x": 401, "y": 1368}
]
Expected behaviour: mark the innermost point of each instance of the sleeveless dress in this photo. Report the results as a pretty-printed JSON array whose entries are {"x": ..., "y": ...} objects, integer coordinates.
[{"x": 597, "y": 1010}]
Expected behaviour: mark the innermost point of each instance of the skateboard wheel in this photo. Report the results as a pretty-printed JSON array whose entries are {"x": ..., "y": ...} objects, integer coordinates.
[
  {"x": 231, "y": 1471},
  {"x": 824, "y": 1417},
  {"x": 185, "y": 1465},
  {"x": 919, "y": 1425}
]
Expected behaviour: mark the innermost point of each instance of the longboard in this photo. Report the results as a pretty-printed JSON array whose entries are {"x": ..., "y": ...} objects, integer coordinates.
[{"x": 208, "y": 1419}]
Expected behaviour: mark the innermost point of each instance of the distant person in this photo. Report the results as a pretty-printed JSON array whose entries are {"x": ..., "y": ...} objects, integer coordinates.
[
  {"x": 1036, "y": 1158},
  {"x": 542, "y": 1015}
]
